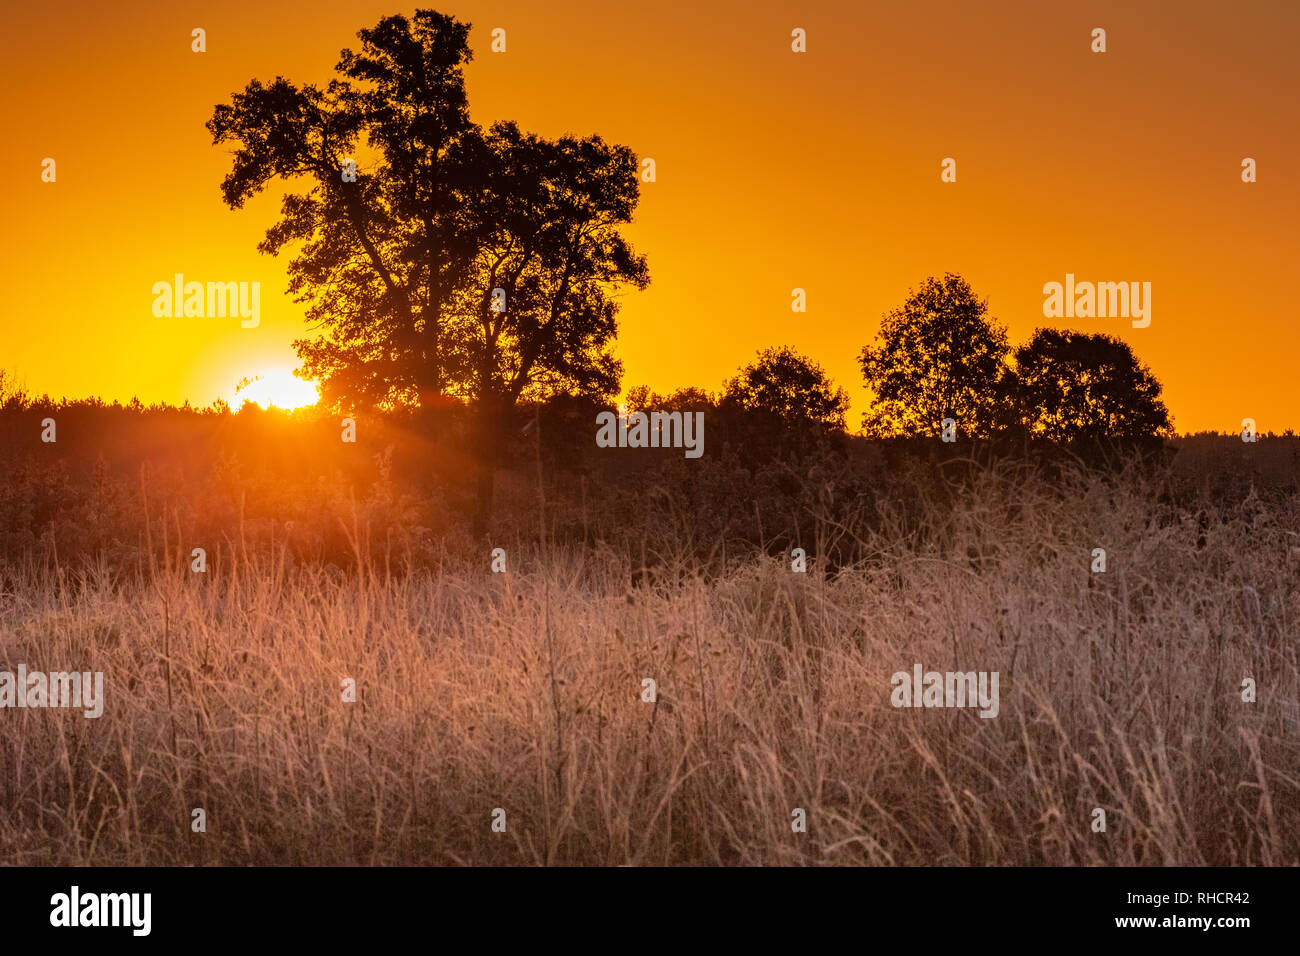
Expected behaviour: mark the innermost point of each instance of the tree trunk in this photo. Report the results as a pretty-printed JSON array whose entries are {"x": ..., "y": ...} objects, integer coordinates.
[{"x": 490, "y": 424}]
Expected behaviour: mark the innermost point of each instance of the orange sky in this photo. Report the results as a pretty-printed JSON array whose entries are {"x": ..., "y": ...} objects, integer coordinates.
[{"x": 775, "y": 170}]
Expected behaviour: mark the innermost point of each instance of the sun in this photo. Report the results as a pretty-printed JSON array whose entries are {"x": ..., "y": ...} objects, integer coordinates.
[{"x": 278, "y": 388}]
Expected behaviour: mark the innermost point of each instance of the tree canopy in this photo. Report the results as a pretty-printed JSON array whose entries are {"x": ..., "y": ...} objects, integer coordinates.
[
  {"x": 940, "y": 355},
  {"x": 449, "y": 260},
  {"x": 1073, "y": 385},
  {"x": 790, "y": 387}
]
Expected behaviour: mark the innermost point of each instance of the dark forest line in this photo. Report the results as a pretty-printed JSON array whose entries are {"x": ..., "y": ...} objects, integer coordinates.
[{"x": 123, "y": 483}]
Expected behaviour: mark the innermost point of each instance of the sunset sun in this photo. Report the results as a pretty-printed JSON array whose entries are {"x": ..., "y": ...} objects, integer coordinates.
[{"x": 278, "y": 388}]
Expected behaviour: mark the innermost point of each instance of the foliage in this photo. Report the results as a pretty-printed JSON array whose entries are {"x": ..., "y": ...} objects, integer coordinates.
[{"x": 940, "y": 355}]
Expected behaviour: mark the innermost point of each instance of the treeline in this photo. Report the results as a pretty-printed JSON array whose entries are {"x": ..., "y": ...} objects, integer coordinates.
[{"x": 134, "y": 486}]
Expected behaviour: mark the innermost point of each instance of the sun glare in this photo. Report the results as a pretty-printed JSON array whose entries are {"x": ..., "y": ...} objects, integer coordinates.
[{"x": 280, "y": 389}]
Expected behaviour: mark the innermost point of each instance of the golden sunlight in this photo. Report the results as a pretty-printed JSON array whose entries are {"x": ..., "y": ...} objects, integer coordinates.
[{"x": 278, "y": 388}]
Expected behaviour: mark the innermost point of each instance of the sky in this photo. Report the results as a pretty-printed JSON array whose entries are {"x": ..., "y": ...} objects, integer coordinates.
[{"x": 775, "y": 170}]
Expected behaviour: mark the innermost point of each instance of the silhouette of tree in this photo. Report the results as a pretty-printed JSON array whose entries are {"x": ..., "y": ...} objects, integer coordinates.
[
  {"x": 790, "y": 387},
  {"x": 548, "y": 219},
  {"x": 12, "y": 392},
  {"x": 1072, "y": 385},
  {"x": 938, "y": 356},
  {"x": 778, "y": 406},
  {"x": 463, "y": 263},
  {"x": 690, "y": 398}
]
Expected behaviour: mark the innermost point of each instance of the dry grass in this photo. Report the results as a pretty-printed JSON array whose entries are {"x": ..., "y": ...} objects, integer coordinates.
[{"x": 522, "y": 691}]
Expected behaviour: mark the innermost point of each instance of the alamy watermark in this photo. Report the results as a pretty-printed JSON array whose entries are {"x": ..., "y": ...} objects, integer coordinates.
[
  {"x": 652, "y": 430},
  {"x": 195, "y": 300},
  {"x": 56, "y": 689},
  {"x": 1086, "y": 300},
  {"x": 75, "y": 908},
  {"x": 949, "y": 689}
]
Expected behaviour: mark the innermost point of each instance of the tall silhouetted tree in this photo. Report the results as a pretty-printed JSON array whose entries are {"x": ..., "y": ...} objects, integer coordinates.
[
  {"x": 938, "y": 356},
  {"x": 538, "y": 316},
  {"x": 1072, "y": 385},
  {"x": 453, "y": 262}
]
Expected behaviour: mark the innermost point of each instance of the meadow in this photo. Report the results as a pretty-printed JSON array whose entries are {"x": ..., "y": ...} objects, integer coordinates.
[{"x": 523, "y": 690}]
